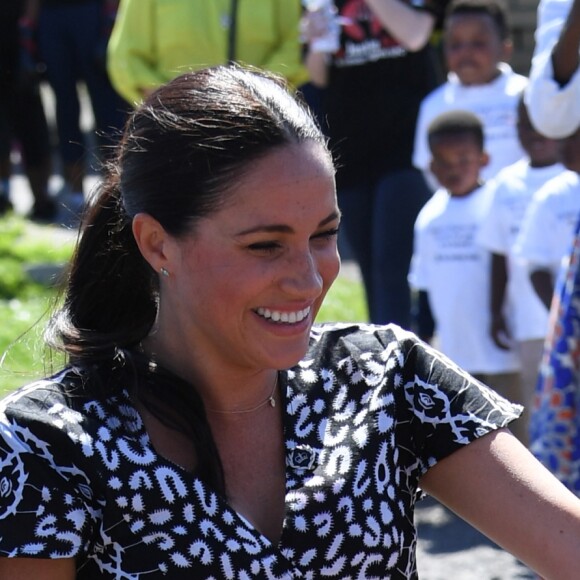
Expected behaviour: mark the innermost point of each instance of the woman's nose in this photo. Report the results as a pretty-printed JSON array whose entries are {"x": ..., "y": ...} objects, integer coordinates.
[{"x": 303, "y": 275}]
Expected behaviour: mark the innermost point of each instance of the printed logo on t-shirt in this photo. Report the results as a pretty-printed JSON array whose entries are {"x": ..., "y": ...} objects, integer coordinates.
[{"x": 363, "y": 37}]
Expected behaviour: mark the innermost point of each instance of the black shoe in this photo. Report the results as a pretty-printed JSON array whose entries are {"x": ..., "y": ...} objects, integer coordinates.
[{"x": 44, "y": 211}]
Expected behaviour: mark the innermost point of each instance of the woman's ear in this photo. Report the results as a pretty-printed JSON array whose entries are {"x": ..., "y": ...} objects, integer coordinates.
[{"x": 152, "y": 240}]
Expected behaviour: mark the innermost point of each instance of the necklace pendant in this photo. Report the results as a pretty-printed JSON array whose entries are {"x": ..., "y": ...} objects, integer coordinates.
[{"x": 272, "y": 402}]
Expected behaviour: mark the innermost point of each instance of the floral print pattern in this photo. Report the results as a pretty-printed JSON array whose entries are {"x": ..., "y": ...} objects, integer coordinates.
[
  {"x": 367, "y": 412},
  {"x": 555, "y": 417}
]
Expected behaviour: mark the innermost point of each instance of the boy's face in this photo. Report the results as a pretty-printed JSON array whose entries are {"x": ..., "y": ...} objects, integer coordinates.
[
  {"x": 456, "y": 162},
  {"x": 474, "y": 48},
  {"x": 541, "y": 150},
  {"x": 570, "y": 151}
]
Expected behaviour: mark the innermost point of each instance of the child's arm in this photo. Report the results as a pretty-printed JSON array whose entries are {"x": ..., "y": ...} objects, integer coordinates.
[
  {"x": 553, "y": 93},
  {"x": 498, "y": 328},
  {"x": 424, "y": 317},
  {"x": 565, "y": 56},
  {"x": 419, "y": 280},
  {"x": 543, "y": 285}
]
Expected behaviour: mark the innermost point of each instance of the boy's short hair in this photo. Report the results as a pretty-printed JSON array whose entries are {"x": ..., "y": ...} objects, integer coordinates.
[
  {"x": 454, "y": 123},
  {"x": 496, "y": 9}
]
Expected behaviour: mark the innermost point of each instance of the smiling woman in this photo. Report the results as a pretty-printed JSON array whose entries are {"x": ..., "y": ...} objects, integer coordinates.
[
  {"x": 204, "y": 426},
  {"x": 245, "y": 285}
]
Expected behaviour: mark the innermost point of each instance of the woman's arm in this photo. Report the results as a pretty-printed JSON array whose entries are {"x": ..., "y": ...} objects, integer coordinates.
[
  {"x": 496, "y": 485},
  {"x": 37, "y": 569},
  {"x": 411, "y": 27},
  {"x": 131, "y": 57},
  {"x": 317, "y": 65}
]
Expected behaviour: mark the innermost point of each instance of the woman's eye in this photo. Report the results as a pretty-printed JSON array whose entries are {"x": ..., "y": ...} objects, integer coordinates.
[
  {"x": 264, "y": 247},
  {"x": 327, "y": 234}
]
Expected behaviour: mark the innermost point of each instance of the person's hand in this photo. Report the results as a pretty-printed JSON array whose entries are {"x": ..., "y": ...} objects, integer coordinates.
[
  {"x": 500, "y": 333},
  {"x": 320, "y": 30}
]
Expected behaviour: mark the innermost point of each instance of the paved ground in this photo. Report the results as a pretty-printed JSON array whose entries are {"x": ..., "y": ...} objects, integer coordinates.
[{"x": 450, "y": 549}]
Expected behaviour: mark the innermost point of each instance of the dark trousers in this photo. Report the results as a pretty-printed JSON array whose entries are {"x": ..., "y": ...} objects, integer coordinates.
[
  {"x": 378, "y": 220},
  {"x": 69, "y": 41}
]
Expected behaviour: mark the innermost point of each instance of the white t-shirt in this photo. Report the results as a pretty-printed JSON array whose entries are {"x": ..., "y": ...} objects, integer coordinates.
[
  {"x": 494, "y": 103},
  {"x": 454, "y": 270},
  {"x": 553, "y": 109},
  {"x": 514, "y": 187},
  {"x": 548, "y": 226}
]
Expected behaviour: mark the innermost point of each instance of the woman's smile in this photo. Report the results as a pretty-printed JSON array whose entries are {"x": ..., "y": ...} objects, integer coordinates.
[{"x": 286, "y": 317}]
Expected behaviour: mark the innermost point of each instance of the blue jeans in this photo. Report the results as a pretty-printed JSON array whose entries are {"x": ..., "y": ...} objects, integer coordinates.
[
  {"x": 69, "y": 37},
  {"x": 378, "y": 220}
]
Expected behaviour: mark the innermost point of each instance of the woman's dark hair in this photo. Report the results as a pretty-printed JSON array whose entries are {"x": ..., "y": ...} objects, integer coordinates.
[
  {"x": 180, "y": 156},
  {"x": 181, "y": 151}
]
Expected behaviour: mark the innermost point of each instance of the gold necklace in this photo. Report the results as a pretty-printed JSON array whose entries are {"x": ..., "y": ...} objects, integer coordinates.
[{"x": 270, "y": 400}]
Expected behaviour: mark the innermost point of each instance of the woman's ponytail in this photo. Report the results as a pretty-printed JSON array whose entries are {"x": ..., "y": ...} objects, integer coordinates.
[{"x": 110, "y": 294}]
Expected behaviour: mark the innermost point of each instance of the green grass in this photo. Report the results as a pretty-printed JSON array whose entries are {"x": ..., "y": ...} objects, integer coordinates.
[
  {"x": 25, "y": 304},
  {"x": 345, "y": 302},
  {"x": 24, "y": 357}
]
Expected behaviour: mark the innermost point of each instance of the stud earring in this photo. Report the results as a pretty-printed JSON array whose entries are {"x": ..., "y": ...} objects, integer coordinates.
[{"x": 164, "y": 272}]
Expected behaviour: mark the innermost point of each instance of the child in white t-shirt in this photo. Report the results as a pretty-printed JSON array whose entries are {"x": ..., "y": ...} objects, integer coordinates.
[
  {"x": 545, "y": 238},
  {"x": 519, "y": 319},
  {"x": 449, "y": 265},
  {"x": 476, "y": 44}
]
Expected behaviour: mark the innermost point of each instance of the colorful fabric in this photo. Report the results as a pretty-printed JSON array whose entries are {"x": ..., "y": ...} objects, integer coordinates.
[{"x": 555, "y": 421}]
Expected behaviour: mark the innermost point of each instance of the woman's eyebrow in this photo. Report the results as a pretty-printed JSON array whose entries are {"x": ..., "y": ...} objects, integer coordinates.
[{"x": 284, "y": 228}]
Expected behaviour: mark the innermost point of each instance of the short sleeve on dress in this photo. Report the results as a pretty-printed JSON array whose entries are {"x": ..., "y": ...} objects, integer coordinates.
[
  {"x": 420, "y": 404},
  {"x": 447, "y": 408},
  {"x": 47, "y": 507}
]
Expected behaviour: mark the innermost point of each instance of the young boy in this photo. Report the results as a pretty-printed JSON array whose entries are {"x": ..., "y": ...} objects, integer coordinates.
[
  {"x": 476, "y": 44},
  {"x": 548, "y": 226},
  {"x": 448, "y": 263},
  {"x": 516, "y": 311}
]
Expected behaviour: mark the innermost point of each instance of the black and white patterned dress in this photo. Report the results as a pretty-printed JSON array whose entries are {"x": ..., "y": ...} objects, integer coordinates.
[{"x": 366, "y": 413}]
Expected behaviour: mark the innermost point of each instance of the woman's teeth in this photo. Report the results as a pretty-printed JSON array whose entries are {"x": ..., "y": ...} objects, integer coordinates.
[{"x": 285, "y": 317}]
